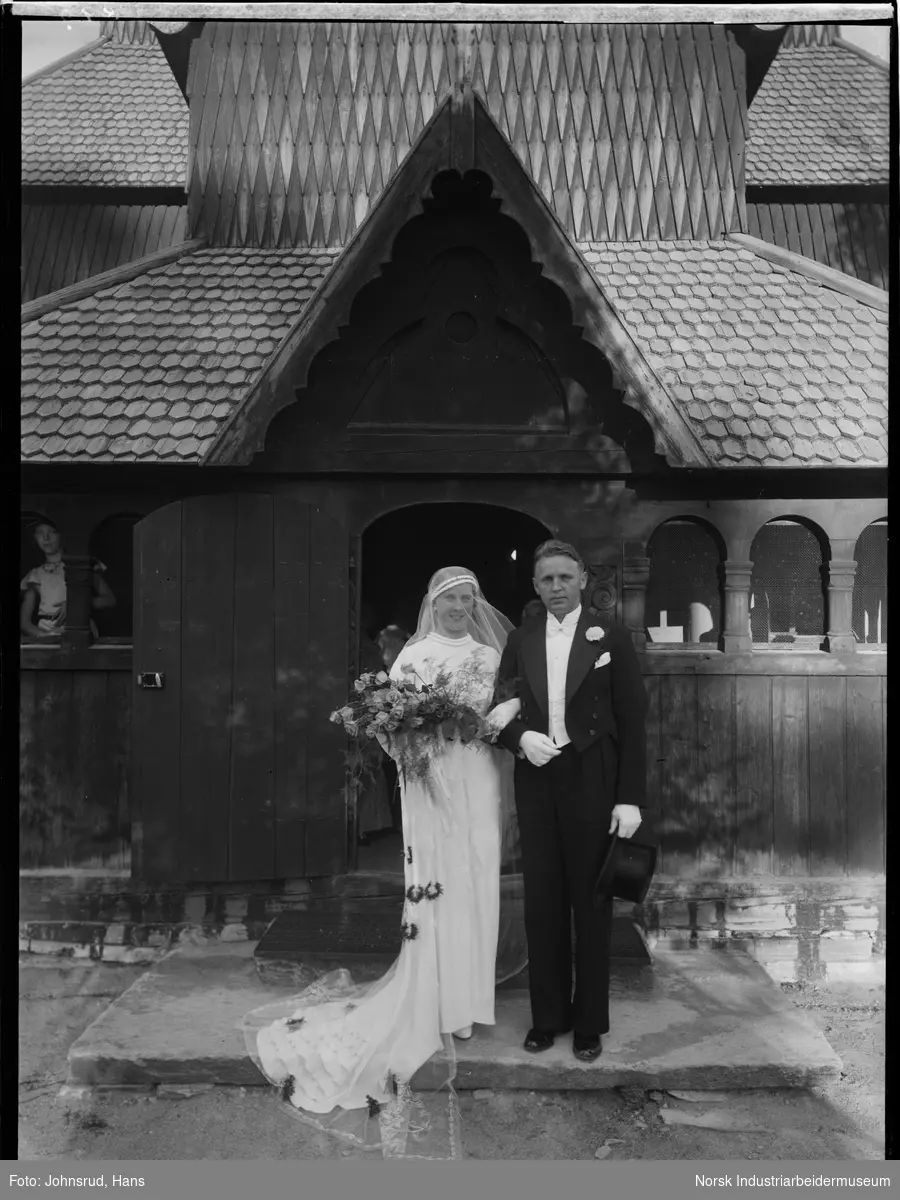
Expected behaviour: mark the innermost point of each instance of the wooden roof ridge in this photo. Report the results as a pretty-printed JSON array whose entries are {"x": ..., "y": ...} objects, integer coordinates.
[
  {"x": 58, "y": 64},
  {"x": 838, "y": 281},
  {"x": 440, "y": 147},
  {"x": 35, "y": 309},
  {"x": 840, "y": 43}
]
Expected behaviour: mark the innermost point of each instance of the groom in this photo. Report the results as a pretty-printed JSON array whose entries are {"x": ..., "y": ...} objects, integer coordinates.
[{"x": 580, "y": 776}]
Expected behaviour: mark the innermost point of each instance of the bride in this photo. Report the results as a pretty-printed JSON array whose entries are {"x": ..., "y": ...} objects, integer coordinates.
[{"x": 344, "y": 1054}]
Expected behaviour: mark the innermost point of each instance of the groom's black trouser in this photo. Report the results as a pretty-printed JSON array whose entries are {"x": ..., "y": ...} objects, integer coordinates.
[{"x": 564, "y": 831}]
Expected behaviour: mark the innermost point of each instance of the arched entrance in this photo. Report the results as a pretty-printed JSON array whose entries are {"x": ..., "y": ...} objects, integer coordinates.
[
  {"x": 403, "y": 549},
  {"x": 400, "y": 551}
]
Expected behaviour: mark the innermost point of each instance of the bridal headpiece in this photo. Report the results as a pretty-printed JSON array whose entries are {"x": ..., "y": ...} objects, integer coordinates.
[{"x": 486, "y": 624}]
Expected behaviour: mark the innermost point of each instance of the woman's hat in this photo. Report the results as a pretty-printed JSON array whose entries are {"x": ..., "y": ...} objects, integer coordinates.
[{"x": 626, "y": 872}]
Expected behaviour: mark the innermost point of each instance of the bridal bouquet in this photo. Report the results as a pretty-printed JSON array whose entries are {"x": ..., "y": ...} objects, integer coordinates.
[{"x": 414, "y": 717}]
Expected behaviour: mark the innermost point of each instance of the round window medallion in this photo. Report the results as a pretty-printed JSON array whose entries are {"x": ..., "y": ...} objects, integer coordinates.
[{"x": 461, "y": 327}]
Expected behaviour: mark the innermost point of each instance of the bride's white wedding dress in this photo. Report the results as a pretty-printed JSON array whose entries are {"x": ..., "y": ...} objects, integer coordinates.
[{"x": 350, "y": 1051}]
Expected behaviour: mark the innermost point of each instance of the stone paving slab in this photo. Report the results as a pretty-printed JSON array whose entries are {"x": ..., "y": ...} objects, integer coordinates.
[{"x": 699, "y": 1019}]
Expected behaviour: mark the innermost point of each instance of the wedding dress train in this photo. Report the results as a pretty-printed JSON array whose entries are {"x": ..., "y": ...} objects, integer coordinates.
[{"x": 344, "y": 1054}]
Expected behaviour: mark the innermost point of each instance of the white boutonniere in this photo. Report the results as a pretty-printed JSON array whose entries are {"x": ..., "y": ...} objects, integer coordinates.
[{"x": 594, "y": 634}]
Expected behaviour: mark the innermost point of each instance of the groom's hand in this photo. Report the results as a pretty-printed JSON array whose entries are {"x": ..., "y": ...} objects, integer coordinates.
[
  {"x": 537, "y": 748},
  {"x": 625, "y": 820}
]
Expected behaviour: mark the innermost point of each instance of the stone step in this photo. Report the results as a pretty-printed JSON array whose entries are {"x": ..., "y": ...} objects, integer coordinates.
[{"x": 697, "y": 1019}]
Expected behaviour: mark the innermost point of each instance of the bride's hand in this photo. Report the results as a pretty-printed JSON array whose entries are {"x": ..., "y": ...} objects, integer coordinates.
[{"x": 501, "y": 715}]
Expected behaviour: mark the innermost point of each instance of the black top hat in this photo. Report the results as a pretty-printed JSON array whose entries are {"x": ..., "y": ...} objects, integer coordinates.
[{"x": 626, "y": 871}]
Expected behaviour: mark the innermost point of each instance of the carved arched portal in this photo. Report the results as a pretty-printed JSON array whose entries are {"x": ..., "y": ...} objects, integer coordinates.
[{"x": 459, "y": 356}]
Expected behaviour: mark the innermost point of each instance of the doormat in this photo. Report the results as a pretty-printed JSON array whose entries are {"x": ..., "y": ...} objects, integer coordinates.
[{"x": 371, "y": 931}]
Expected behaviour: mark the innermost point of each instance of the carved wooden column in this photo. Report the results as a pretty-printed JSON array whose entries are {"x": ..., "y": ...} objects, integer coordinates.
[
  {"x": 79, "y": 593},
  {"x": 635, "y": 576},
  {"x": 736, "y": 638},
  {"x": 838, "y": 575},
  {"x": 601, "y": 593}
]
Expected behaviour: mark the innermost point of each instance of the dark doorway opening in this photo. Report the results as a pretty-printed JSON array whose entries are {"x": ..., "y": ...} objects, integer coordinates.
[
  {"x": 399, "y": 554},
  {"x": 402, "y": 550}
]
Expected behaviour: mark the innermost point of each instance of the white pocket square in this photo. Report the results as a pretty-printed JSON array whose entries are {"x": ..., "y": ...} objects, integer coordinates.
[{"x": 602, "y": 661}]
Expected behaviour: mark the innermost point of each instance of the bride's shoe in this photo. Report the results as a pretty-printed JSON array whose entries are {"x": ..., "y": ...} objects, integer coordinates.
[{"x": 463, "y": 1034}]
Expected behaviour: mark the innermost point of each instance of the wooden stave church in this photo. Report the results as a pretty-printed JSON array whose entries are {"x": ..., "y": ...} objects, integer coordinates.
[{"x": 758, "y": 756}]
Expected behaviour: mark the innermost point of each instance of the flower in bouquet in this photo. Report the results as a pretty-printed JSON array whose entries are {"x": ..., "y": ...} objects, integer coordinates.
[{"x": 417, "y": 717}]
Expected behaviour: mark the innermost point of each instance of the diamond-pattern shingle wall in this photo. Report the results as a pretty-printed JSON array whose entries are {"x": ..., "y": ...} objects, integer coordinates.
[
  {"x": 630, "y": 131},
  {"x": 809, "y": 35},
  {"x": 151, "y": 369},
  {"x": 770, "y": 367},
  {"x": 131, "y": 33},
  {"x": 821, "y": 116},
  {"x": 297, "y": 127},
  {"x": 114, "y": 117}
]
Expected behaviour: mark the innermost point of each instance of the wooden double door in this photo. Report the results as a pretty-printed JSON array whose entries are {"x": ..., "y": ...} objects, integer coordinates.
[{"x": 241, "y": 609}]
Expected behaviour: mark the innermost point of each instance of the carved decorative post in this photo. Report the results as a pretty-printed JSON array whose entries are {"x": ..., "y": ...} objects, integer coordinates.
[
  {"x": 635, "y": 576},
  {"x": 79, "y": 592},
  {"x": 601, "y": 593},
  {"x": 838, "y": 575},
  {"x": 736, "y": 638}
]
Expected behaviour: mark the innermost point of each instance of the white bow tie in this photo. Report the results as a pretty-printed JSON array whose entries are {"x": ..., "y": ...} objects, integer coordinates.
[{"x": 560, "y": 630}]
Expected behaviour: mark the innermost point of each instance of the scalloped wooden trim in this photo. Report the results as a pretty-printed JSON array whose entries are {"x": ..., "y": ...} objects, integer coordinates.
[
  {"x": 244, "y": 433},
  {"x": 592, "y": 310}
]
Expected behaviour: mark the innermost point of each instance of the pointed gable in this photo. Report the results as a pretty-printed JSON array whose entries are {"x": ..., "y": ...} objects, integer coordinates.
[{"x": 520, "y": 198}]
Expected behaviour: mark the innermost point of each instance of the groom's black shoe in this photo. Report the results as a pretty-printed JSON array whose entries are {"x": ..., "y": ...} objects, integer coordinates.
[
  {"x": 587, "y": 1047},
  {"x": 541, "y": 1039}
]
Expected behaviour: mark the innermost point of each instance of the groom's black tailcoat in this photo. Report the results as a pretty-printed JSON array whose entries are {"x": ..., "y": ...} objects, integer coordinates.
[{"x": 564, "y": 809}]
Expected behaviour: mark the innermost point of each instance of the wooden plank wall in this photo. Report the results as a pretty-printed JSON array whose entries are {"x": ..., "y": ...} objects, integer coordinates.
[
  {"x": 239, "y": 774},
  {"x": 767, "y": 774},
  {"x": 74, "y": 745},
  {"x": 853, "y": 238},
  {"x": 748, "y": 774},
  {"x": 65, "y": 243},
  {"x": 157, "y": 734}
]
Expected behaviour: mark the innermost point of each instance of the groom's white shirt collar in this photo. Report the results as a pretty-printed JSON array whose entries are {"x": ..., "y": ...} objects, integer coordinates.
[{"x": 569, "y": 621}]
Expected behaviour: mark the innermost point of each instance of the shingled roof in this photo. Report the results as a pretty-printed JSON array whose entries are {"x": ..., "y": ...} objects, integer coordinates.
[
  {"x": 821, "y": 116},
  {"x": 149, "y": 370},
  {"x": 770, "y": 368},
  {"x": 109, "y": 116}
]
